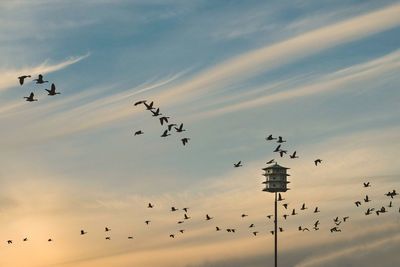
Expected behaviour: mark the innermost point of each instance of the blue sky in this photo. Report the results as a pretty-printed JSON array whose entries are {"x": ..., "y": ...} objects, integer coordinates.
[{"x": 323, "y": 74}]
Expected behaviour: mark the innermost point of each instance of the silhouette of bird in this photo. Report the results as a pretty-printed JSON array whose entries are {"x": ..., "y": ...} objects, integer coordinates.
[
  {"x": 179, "y": 222},
  {"x": 150, "y": 206},
  {"x": 30, "y": 98},
  {"x": 106, "y": 229},
  {"x": 83, "y": 232},
  {"x": 366, "y": 199},
  {"x": 282, "y": 152},
  {"x": 390, "y": 204},
  {"x": 316, "y": 224},
  {"x": 367, "y": 184},
  {"x": 130, "y": 237},
  {"x": 208, "y": 217},
  {"x": 280, "y": 229},
  {"x": 22, "y": 78},
  {"x": 147, "y": 222},
  {"x": 271, "y": 161},
  {"x": 217, "y": 228},
  {"x": 269, "y": 216},
  {"x": 170, "y": 126},
  {"x": 316, "y": 210},
  {"x": 165, "y": 134},
  {"x": 270, "y": 138},
  {"x": 345, "y": 218},
  {"x": 294, "y": 156},
  {"x": 251, "y": 225},
  {"x": 280, "y": 197},
  {"x": 173, "y": 209},
  {"x": 278, "y": 148},
  {"x": 185, "y": 209},
  {"x": 149, "y": 106},
  {"x": 180, "y": 128},
  {"x": 294, "y": 212},
  {"x": 280, "y": 140},
  {"x": 255, "y": 233},
  {"x": 186, "y": 217},
  {"x": 285, "y": 205},
  {"x": 52, "y": 91},
  {"x": 140, "y": 102},
  {"x": 172, "y": 236},
  {"x": 285, "y": 216},
  {"x": 138, "y": 132},
  {"x": 49, "y": 240},
  {"x": 368, "y": 212},
  {"x": 108, "y": 238},
  {"x": 237, "y": 165},
  {"x": 244, "y": 215},
  {"x": 336, "y": 219},
  {"x": 317, "y": 161},
  {"x": 25, "y": 239},
  {"x": 156, "y": 113},
  {"x": 9, "y": 241},
  {"x": 163, "y": 119},
  {"x": 39, "y": 80},
  {"x": 185, "y": 140},
  {"x": 182, "y": 231},
  {"x": 272, "y": 232},
  {"x": 303, "y": 207},
  {"x": 358, "y": 203}
]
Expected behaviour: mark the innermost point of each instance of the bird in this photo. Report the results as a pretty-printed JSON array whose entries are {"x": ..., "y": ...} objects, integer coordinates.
[
  {"x": 163, "y": 119},
  {"x": 208, "y": 217},
  {"x": 280, "y": 229},
  {"x": 22, "y": 78},
  {"x": 345, "y": 218},
  {"x": 52, "y": 91},
  {"x": 285, "y": 216},
  {"x": 147, "y": 222},
  {"x": 130, "y": 237},
  {"x": 294, "y": 212},
  {"x": 251, "y": 225},
  {"x": 303, "y": 207},
  {"x": 278, "y": 148},
  {"x": 186, "y": 217},
  {"x": 280, "y": 197},
  {"x": 270, "y": 138},
  {"x": 336, "y": 219},
  {"x": 366, "y": 184},
  {"x": 285, "y": 205},
  {"x": 390, "y": 204},
  {"x": 185, "y": 209},
  {"x": 317, "y": 161},
  {"x": 180, "y": 128},
  {"x": 269, "y": 216},
  {"x": 282, "y": 152},
  {"x": 237, "y": 165},
  {"x": 306, "y": 229},
  {"x": 140, "y": 102},
  {"x": 25, "y": 239},
  {"x": 300, "y": 229},
  {"x": 172, "y": 236},
  {"x": 271, "y": 161},
  {"x": 316, "y": 224},
  {"x": 182, "y": 231},
  {"x": 9, "y": 241},
  {"x": 30, "y": 98},
  {"x": 49, "y": 240},
  {"x": 170, "y": 126},
  {"x": 150, "y": 206},
  {"x": 156, "y": 113},
  {"x": 138, "y": 132},
  {"x": 280, "y": 140},
  {"x": 366, "y": 199},
  {"x": 39, "y": 80},
  {"x": 165, "y": 134},
  {"x": 368, "y": 212},
  {"x": 185, "y": 140},
  {"x": 316, "y": 210},
  {"x": 149, "y": 106},
  {"x": 179, "y": 222},
  {"x": 255, "y": 233},
  {"x": 106, "y": 229},
  {"x": 83, "y": 232},
  {"x": 244, "y": 215},
  {"x": 358, "y": 203},
  {"x": 108, "y": 238},
  {"x": 294, "y": 156},
  {"x": 272, "y": 232},
  {"x": 173, "y": 209},
  {"x": 217, "y": 228}
]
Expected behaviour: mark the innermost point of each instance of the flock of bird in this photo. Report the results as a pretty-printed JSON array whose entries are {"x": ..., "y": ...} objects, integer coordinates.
[
  {"x": 38, "y": 80},
  {"x": 164, "y": 121}
]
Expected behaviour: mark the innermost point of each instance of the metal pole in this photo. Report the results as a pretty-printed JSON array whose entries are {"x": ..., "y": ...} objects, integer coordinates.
[{"x": 276, "y": 231}]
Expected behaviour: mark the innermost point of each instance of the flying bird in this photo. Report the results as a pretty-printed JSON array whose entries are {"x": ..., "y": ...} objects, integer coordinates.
[
  {"x": 316, "y": 210},
  {"x": 173, "y": 209},
  {"x": 366, "y": 184},
  {"x": 185, "y": 209},
  {"x": 106, "y": 229},
  {"x": 39, "y": 80},
  {"x": 244, "y": 215},
  {"x": 317, "y": 161},
  {"x": 150, "y": 206},
  {"x": 294, "y": 212},
  {"x": 165, "y": 134},
  {"x": 278, "y": 148},
  {"x": 294, "y": 156},
  {"x": 149, "y": 106},
  {"x": 163, "y": 119},
  {"x": 185, "y": 140},
  {"x": 147, "y": 222},
  {"x": 22, "y": 78},
  {"x": 140, "y": 102},
  {"x": 138, "y": 132},
  {"x": 282, "y": 152},
  {"x": 271, "y": 161},
  {"x": 180, "y": 128},
  {"x": 108, "y": 238},
  {"x": 170, "y": 126},
  {"x": 358, "y": 203},
  {"x": 208, "y": 217},
  {"x": 303, "y": 207},
  {"x": 237, "y": 165},
  {"x": 280, "y": 197},
  {"x": 270, "y": 138},
  {"x": 156, "y": 113},
  {"x": 280, "y": 140},
  {"x": 30, "y": 98},
  {"x": 255, "y": 233},
  {"x": 186, "y": 217},
  {"x": 367, "y": 199},
  {"x": 52, "y": 90},
  {"x": 285, "y": 205},
  {"x": 83, "y": 232}
]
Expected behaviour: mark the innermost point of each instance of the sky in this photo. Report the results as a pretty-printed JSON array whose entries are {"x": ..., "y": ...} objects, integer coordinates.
[{"x": 322, "y": 74}]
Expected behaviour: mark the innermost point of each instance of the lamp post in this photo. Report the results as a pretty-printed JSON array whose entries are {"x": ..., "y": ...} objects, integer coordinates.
[{"x": 275, "y": 182}]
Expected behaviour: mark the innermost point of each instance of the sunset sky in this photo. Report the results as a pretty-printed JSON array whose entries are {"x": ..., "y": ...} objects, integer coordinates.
[{"x": 322, "y": 74}]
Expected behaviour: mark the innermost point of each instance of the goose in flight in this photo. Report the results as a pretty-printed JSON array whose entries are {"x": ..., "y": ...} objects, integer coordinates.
[
  {"x": 208, "y": 217},
  {"x": 269, "y": 216},
  {"x": 271, "y": 161},
  {"x": 106, "y": 229},
  {"x": 367, "y": 199},
  {"x": 285, "y": 216},
  {"x": 108, "y": 238},
  {"x": 278, "y": 148},
  {"x": 147, "y": 222},
  {"x": 366, "y": 184},
  {"x": 173, "y": 209},
  {"x": 244, "y": 215},
  {"x": 280, "y": 197},
  {"x": 150, "y": 206},
  {"x": 185, "y": 140},
  {"x": 172, "y": 236},
  {"x": 316, "y": 210},
  {"x": 237, "y": 165},
  {"x": 148, "y": 106},
  {"x": 22, "y": 78},
  {"x": 156, "y": 113},
  {"x": 186, "y": 217},
  {"x": 49, "y": 240},
  {"x": 316, "y": 224},
  {"x": 345, "y": 218},
  {"x": 30, "y": 98},
  {"x": 294, "y": 212},
  {"x": 317, "y": 161},
  {"x": 358, "y": 203},
  {"x": 39, "y": 80},
  {"x": 138, "y": 132},
  {"x": 52, "y": 90},
  {"x": 285, "y": 205},
  {"x": 303, "y": 207},
  {"x": 280, "y": 140},
  {"x": 185, "y": 209},
  {"x": 251, "y": 225},
  {"x": 9, "y": 241},
  {"x": 294, "y": 156},
  {"x": 180, "y": 222},
  {"x": 140, "y": 102},
  {"x": 368, "y": 212},
  {"x": 270, "y": 138},
  {"x": 83, "y": 232},
  {"x": 282, "y": 152},
  {"x": 217, "y": 228},
  {"x": 165, "y": 134},
  {"x": 180, "y": 128},
  {"x": 170, "y": 126},
  {"x": 164, "y": 119},
  {"x": 25, "y": 239},
  {"x": 130, "y": 237}
]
